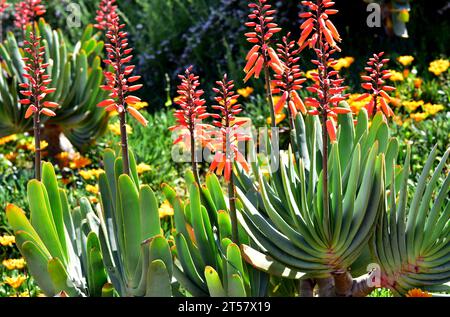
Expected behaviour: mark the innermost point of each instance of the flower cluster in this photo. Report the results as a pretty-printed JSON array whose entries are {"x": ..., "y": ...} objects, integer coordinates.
[
  {"x": 328, "y": 88},
  {"x": 27, "y": 11},
  {"x": 14, "y": 264},
  {"x": 291, "y": 80},
  {"x": 318, "y": 27},
  {"x": 118, "y": 81},
  {"x": 439, "y": 66},
  {"x": 7, "y": 241},
  {"x": 105, "y": 13},
  {"x": 263, "y": 28},
  {"x": 374, "y": 82},
  {"x": 193, "y": 109},
  {"x": 226, "y": 144},
  {"x": 405, "y": 60},
  {"x": 36, "y": 89}
]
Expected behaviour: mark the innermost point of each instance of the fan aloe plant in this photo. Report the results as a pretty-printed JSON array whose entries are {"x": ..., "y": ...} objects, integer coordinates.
[
  {"x": 135, "y": 252},
  {"x": 283, "y": 212},
  {"x": 77, "y": 73},
  {"x": 60, "y": 246},
  {"x": 207, "y": 262},
  {"x": 411, "y": 242}
]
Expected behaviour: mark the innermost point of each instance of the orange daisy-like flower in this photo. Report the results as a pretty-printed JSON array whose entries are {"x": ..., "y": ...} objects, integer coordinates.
[{"x": 417, "y": 292}]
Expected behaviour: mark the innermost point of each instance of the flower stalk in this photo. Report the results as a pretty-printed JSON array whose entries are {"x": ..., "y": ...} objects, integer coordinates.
[
  {"x": 289, "y": 81},
  {"x": 119, "y": 82},
  {"x": 262, "y": 57},
  {"x": 35, "y": 90},
  {"x": 226, "y": 144},
  {"x": 374, "y": 83},
  {"x": 189, "y": 117},
  {"x": 319, "y": 33}
]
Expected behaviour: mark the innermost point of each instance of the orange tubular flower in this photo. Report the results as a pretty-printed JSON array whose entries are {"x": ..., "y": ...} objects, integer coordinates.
[
  {"x": 118, "y": 81},
  {"x": 26, "y": 12},
  {"x": 264, "y": 28},
  {"x": 189, "y": 117},
  {"x": 317, "y": 26},
  {"x": 225, "y": 145},
  {"x": 290, "y": 80},
  {"x": 329, "y": 90},
  {"x": 104, "y": 11},
  {"x": 374, "y": 82}
]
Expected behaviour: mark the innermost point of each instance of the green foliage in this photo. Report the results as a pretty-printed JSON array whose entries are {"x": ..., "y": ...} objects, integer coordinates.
[
  {"x": 152, "y": 145},
  {"x": 60, "y": 246},
  {"x": 207, "y": 262},
  {"x": 423, "y": 136},
  {"x": 283, "y": 211},
  {"x": 411, "y": 239},
  {"x": 135, "y": 251},
  {"x": 77, "y": 75}
]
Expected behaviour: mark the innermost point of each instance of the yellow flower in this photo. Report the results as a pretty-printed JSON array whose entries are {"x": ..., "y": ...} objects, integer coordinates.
[
  {"x": 139, "y": 105},
  {"x": 7, "y": 241},
  {"x": 8, "y": 139},
  {"x": 245, "y": 92},
  {"x": 14, "y": 264},
  {"x": 432, "y": 109},
  {"x": 15, "y": 282},
  {"x": 278, "y": 118},
  {"x": 419, "y": 116},
  {"x": 165, "y": 210},
  {"x": 396, "y": 76},
  {"x": 30, "y": 146},
  {"x": 343, "y": 63},
  {"x": 411, "y": 106},
  {"x": 92, "y": 189},
  {"x": 115, "y": 128},
  {"x": 405, "y": 60},
  {"x": 142, "y": 168},
  {"x": 309, "y": 74},
  {"x": 355, "y": 105},
  {"x": 92, "y": 173},
  {"x": 439, "y": 66},
  {"x": 417, "y": 292}
]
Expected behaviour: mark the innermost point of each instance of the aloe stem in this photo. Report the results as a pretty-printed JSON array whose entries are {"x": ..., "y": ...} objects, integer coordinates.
[
  {"x": 269, "y": 94},
  {"x": 37, "y": 114},
  {"x": 124, "y": 143},
  {"x": 193, "y": 156},
  {"x": 233, "y": 216},
  {"x": 37, "y": 145}
]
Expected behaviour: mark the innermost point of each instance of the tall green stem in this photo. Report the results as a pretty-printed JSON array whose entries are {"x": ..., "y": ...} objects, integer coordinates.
[
  {"x": 193, "y": 158},
  {"x": 269, "y": 94},
  {"x": 233, "y": 215},
  {"x": 124, "y": 143}
]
